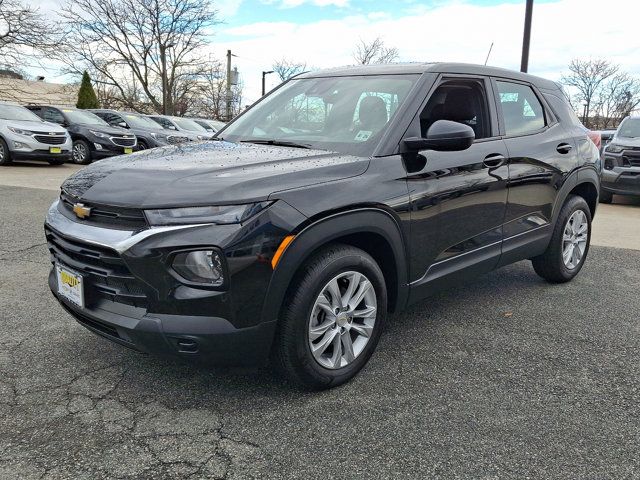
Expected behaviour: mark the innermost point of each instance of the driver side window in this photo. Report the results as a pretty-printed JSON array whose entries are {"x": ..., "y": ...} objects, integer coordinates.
[
  {"x": 53, "y": 115},
  {"x": 463, "y": 101}
]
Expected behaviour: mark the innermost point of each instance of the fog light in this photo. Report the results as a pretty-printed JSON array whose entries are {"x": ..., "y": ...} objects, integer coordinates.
[
  {"x": 200, "y": 266},
  {"x": 20, "y": 145},
  {"x": 98, "y": 146}
]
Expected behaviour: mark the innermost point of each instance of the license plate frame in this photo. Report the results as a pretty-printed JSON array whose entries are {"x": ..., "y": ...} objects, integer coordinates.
[
  {"x": 128, "y": 150},
  {"x": 70, "y": 284},
  {"x": 55, "y": 150}
]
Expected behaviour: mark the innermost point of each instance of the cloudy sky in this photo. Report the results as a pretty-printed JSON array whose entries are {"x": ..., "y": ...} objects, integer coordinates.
[{"x": 323, "y": 33}]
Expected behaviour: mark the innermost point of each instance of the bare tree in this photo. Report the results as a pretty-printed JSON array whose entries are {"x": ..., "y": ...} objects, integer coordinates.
[
  {"x": 285, "y": 68},
  {"x": 587, "y": 78},
  {"x": 618, "y": 97},
  {"x": 152, "y": 45},
  {"x": 375, "y": 51}
]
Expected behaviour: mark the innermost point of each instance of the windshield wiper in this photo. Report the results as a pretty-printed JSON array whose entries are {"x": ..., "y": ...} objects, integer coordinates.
[{"x": 277, "y": 143}]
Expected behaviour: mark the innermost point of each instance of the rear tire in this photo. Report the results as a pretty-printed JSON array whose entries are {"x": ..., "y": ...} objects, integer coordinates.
[
  {"x": 569, "y": 243},
  {"x": 343, "y": 342},
  {"x": 606, "y": 197},
  {"x": 81, "y": 153},
  {"x": 5, "y": 154}
]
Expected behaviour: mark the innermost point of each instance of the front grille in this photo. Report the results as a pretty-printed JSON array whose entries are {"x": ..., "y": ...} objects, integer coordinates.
[
  {"x": 172, "y": 139},
  {"x": 50, "y": 139},
  {"x": 119, "y": 217},
  {"x": 123, "y": 142},
  {"x": 105, "y": 275}
]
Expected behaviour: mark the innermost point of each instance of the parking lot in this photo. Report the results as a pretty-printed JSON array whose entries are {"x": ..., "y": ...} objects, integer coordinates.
[{"x": 506, "y": 377}]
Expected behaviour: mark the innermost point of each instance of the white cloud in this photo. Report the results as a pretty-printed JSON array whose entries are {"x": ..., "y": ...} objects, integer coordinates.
[
  {"x": 227, "y": 8},
  {"x": 297, "y": 3},
  {"x": 455, "y": 31}
]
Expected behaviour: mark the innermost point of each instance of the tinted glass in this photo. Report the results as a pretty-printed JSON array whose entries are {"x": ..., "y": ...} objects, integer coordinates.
[
  {"x": 188, "y": 124},
  {"x": 53, "y": 115},
  {"x": 343, "y": 114},
  {"x": 81, "y": 116},
  {"x": 140, "y": 121},
  {"x": 521, "y": 110}
]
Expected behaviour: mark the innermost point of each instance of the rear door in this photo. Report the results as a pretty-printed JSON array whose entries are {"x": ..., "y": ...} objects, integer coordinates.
[{"x": 541, "y": 154}]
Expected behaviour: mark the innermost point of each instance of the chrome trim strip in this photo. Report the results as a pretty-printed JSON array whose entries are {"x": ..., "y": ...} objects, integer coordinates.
[{"x": 118, "y": 240}]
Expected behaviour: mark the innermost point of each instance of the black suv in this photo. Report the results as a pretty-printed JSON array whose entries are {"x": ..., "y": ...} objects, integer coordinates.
[
  {"x": 148, "y": 132},
  {"x": 93, "y": 138},
  {"x": 341, "y": 196},
  {"x": 621, "y": 172}
]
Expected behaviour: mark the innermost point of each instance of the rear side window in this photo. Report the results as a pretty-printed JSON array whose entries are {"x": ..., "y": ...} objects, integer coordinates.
[
  {"x": 53, "y": 115},
  {"x": 521, "y": 110}
]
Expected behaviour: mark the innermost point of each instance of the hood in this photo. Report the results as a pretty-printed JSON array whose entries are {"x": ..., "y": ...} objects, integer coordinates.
[
  {"x": 207, "y": 173},
  {"x": 626, "y": 141},
  {"x": 36, "y": 126},
  {"x": 105, "y": 129}
]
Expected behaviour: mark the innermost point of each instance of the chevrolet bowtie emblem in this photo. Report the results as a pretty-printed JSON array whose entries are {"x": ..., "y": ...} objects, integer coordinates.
[{"x": 81, "y": 211}]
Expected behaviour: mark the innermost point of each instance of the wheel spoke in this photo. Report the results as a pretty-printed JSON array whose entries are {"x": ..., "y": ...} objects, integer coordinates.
[
  {"x": 324, "y": 304},
  {"x": 362, "y": 329},
  {"x": 336, "y": 358},
  {"x": 347, "y": 347},
  {"x": 319, "y": 348},
  {"x": 368, "y": 312},
  {"x": 334, "y": 290},
  {"x": 357, "y": 298},
  {"x": 567, "y": 254},
  {"x": 354, "y": 281},
  {"x": 317, "y": 331}
]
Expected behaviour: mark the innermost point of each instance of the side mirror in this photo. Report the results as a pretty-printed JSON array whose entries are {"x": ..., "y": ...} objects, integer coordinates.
[{"x": 443, "y": 136}]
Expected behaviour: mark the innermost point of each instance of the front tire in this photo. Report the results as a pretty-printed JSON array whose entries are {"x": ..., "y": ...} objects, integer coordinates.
[
  {"x": 81, "y": 153},
  {"x": 332, "y": 319},
  {"x": 5, "y": 154},
  {"x": 569, "y": 243}
]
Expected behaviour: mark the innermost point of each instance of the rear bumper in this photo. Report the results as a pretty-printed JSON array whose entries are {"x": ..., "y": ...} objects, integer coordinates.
[{"x": 211, "y": 340}]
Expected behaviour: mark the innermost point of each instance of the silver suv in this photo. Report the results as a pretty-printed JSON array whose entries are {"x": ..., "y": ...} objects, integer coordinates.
[
  {"x": 25, "y": 136},
  {"x": 621, "y": 172}
]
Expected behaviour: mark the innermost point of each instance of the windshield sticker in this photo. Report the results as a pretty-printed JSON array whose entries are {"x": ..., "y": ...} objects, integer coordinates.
[{"x": 363, "y": 135}]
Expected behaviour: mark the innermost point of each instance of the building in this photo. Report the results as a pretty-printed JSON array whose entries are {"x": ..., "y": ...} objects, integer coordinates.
[{"x": 18, "y": 90}]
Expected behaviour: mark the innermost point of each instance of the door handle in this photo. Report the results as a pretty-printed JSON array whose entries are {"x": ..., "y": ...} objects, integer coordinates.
[
  {"x": 494, "y": 160},
  {"x": 564, "y": 148}
]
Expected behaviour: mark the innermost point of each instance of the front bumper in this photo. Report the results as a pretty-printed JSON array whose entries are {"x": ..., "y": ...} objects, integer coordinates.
[
  {"x": 621, "y": 180},
  {"x": 104, "y": 149},
  {"x": 132, "y": 299},
  {"x": 25, "y": 147}
]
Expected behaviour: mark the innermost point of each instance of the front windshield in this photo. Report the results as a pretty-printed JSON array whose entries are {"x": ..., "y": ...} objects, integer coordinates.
[
  {"x": 15, "y": 112},
  {"x": 138, "y": 121},
  {"x": 80, "y": 116},
  {"x": 343, "y": 114},
  {"x": 187, "y": 124},
  {"x": 630, "y": 128}
]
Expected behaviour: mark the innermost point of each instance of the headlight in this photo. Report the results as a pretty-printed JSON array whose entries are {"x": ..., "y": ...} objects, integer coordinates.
[
  {"x": 99, "y": 134},
  {"x": 19, "y": 131},
  {"x": 200, "y": 266},
  {"x": 614, "y": 148},
  {"x": 159, "y": 136},
  {"x": 200, "y": 137},
  {"x": 221, "y": 215}
]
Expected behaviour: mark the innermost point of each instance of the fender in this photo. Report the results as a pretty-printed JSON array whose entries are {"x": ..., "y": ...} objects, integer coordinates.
[
  {"x": 323, "y": 231},
  {"x": 577, "y": 177}
]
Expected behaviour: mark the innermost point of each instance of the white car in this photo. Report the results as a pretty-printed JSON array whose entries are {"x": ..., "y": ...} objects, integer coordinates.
[
  {"x": 25, "y": 136},
  {"x": 185, "y": 126}
]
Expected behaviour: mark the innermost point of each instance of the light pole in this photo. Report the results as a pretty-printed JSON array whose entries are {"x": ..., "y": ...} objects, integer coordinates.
[
  {"x": 264, "y": 75},
  {"x": 526, "y": 38}
]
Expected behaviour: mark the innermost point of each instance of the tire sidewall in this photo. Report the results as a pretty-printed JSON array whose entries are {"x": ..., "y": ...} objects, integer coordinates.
[
  {"x": 575, "y": 203},
  {"x": 307, "y": 365},
  {"x": 87, "y": 159},
  {"x": 6, "y": 160}
]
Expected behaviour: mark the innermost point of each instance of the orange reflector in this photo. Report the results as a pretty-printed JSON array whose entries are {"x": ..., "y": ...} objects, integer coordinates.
[{"x": 283, "y": 246}]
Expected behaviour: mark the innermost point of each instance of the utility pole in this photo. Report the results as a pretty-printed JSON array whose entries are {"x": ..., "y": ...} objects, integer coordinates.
[
  {"x": 229, "y": 115},
  {"x": 163, "y": 61},
  {"x": 526, "y": 39},
  {"x": 264, "y": 87}
]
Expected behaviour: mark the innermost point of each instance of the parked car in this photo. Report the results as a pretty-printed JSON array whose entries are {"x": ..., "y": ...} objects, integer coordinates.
[
  {"x": 185, "y": 126},
  {"x": 25, "y": 136},
  {"x": 342, "y": 195},
  {"x": 621, "y": 172},
  {"x": 148, "y": 132},
  {"x": 93, "y": 138},
  {"x": 211, "y": 126},
  {"x": 606, "y": 136}
]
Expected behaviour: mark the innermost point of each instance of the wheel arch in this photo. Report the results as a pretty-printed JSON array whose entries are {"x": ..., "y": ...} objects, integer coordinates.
[
  {"x": 374, "y": 230},
  {"x": 584, "y": 183}
]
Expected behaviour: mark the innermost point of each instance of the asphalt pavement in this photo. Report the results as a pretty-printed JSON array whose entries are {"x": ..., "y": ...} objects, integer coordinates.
[{"x": 504, "y": 377}]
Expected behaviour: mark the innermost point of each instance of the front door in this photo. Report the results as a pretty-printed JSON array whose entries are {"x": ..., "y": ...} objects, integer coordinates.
[{"x": 458, "y": 198}]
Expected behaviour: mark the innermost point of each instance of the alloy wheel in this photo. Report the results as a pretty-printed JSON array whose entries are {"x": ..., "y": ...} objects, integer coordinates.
[
  {"x": 2, "y": 153},
  {"x": 574, "y": 239},
  {"x": 342, "y": 320},
  {"x": 79, "y": 153}
]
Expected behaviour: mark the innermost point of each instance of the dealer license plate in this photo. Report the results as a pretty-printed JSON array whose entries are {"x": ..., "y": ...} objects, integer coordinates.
[
  {"x": 55, "y": 150},
  {"x": 128, "y": 150},
  {"x": 70, "y": 285}
]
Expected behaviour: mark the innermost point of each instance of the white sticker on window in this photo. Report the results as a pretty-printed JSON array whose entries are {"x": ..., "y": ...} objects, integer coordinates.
[{"x": 363, "y": 135}]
